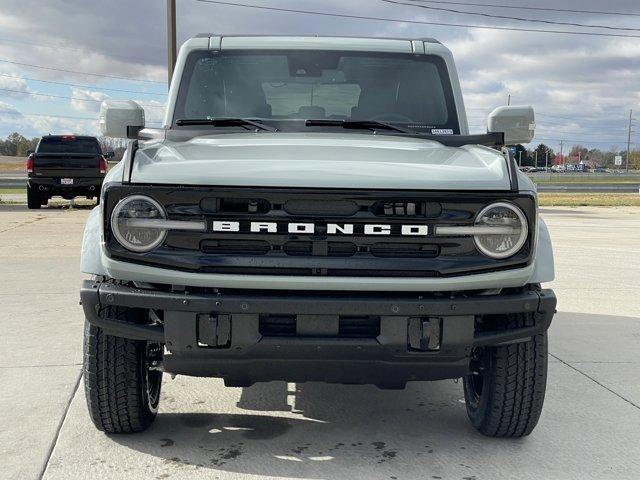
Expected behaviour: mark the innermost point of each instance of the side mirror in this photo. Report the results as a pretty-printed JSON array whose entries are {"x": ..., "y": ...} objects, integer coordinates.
[
  {"x": 30, "y": 152},
  {"x": 517, "y": 123},
  {"x": 108, "y": 155},
  {"x": 121, "y": 118}
]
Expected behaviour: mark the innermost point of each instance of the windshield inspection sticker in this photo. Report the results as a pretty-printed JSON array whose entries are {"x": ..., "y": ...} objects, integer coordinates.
[{"x": 441, "y": 131}]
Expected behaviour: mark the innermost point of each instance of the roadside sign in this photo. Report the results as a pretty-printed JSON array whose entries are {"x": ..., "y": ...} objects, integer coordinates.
[{"x": 618, "y": 159}]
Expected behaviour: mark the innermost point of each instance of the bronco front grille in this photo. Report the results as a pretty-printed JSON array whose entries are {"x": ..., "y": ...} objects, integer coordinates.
[{"x": 364, "y": 233}]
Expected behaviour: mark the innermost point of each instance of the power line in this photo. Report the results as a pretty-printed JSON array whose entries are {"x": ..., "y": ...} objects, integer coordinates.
[
  {"x": 81, "y": 86},
  {"x": 416, "y": 22},
  {"x": 70, "y": 98},
  {"x": 486, "y": 111},
  {"x": 58, "y": 46},
  {"x": 542, "y": 9},
  {"x": 506, "y": 17},
  {"x": 46, "y": 115},
  {"x": 609, "y": 142},
  {"x": 557, "y": 126},
  {"x": 538, "y": 114},
  {"x": 480, "y": 109},
  {"x": 80, "y": 73}
]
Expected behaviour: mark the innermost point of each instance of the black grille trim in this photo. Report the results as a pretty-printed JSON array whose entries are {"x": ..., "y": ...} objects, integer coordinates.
[{"x": 265, "y": 253}]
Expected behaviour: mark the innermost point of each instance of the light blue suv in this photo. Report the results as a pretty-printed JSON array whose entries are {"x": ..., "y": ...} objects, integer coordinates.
[{"x": 314, "y": 209}]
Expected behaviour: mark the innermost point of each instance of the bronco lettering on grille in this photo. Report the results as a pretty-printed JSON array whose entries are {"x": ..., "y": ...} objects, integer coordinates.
[{"x": 311, "y": 228}]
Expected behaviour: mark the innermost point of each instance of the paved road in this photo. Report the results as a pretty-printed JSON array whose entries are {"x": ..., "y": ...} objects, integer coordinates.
[{"x": 589, "y": 428}]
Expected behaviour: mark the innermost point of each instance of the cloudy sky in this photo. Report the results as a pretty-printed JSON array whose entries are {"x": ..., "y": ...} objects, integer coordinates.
[{"x": 582, "y": 87}]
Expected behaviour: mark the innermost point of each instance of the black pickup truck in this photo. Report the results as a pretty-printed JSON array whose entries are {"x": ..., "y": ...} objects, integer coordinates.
[{"x": 65, "y": 165}]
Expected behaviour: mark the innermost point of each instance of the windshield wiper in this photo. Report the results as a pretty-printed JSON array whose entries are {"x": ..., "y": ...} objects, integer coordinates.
[
  {"x": 359, "y": 124},
  {"x": 225, "y": 122}
]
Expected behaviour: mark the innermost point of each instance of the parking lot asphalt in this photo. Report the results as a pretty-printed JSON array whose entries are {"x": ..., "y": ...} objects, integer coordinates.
[{"x": 590, "y": 428}]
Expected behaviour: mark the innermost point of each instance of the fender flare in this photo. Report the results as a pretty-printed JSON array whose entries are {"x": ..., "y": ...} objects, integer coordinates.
[
  {"x": 91, "y": 254},
  {"x": 544, "y": 267}
]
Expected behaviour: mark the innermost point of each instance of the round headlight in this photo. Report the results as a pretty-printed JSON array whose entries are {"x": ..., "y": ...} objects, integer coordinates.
[
  {"x": 132, "y": 223},
  {"x": 502, "y": 230}
]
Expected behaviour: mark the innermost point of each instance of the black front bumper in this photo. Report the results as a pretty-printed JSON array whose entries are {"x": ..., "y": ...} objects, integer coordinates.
[{"x": 344, "y": 337}]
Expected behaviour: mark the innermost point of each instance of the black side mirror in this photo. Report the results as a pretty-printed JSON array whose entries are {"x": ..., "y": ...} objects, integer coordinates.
[
  {"x": 29, "y": 152},
  {"x": 109, "y": 155}
]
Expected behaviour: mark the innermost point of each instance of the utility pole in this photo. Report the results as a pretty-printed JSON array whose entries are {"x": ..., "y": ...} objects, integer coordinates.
[
  {"x": 546, "y": 160},
  {"x": 509, "y": 100},
  {"x": 629, "y": 140},
  {"x": 561, "y": 152},
  {"x": 171, "y": 37},
  {"x": 536, "y": 164}
]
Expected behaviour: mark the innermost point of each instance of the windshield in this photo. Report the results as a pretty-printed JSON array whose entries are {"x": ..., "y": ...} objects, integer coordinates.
[
  {"x": 289, "y": 86},
  {"x": 69, "y": 144}
]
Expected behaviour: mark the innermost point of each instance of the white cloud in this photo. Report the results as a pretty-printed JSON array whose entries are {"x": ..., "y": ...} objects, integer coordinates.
[
  {"x": 14, "y": 86},
  {"x": 13, "y": 120},
  {"x": 87, "y": 100}
]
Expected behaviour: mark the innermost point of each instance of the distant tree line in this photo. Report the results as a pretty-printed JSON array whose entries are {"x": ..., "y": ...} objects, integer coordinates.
[
  {"x": 17, "y": 145},
  {"x": 594, "y": 157}
]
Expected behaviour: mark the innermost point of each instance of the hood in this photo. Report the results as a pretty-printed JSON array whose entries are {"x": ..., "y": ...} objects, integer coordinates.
[{"x": 320, "y": 160}]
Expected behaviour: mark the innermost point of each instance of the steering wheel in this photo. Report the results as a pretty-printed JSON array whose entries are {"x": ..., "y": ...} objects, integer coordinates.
[{"x": 391, "y": 117}]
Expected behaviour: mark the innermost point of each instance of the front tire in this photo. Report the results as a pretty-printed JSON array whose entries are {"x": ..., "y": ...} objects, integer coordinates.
[
  {"x": 505, "y": 393},
  {"x": 122, "y": 391}
]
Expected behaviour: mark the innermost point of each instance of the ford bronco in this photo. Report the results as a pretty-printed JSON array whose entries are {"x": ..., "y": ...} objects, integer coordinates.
[{"x": 315, "y": 209}]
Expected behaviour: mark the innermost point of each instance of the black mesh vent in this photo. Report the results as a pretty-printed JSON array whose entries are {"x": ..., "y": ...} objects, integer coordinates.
[
  {"x": 349, "y": 327},
  {"x": 404, "y": 250},
  {"x": 332, "y": 249},
  {"x": 298, "y": 249},
  {"x": 359, "y": 327},
  {"x": 404, "y": 208},
  {"x": 342, "y": 249},
  {"x": 235, "y": 205},
  {"x": 277, "y": 325},
  {"x": 339, "y": 208},
  {"x": 235, "y": 247}
]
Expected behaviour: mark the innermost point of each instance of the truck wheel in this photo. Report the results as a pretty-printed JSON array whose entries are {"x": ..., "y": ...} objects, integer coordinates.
[
  {"x": 122, "y": 392},
  {"x": 34, "y": 200},
  {"x": 505, "y": 392}
]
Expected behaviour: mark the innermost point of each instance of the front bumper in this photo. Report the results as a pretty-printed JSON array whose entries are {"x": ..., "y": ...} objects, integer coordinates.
[{"x": 406, "y": 336}]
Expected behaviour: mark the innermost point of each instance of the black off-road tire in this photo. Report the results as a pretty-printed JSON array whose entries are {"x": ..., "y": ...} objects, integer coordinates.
[
  {"x": 122, "y": 393},
  {"x": 34, "y": 199},
  {"x": 505, "y": 396}
]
